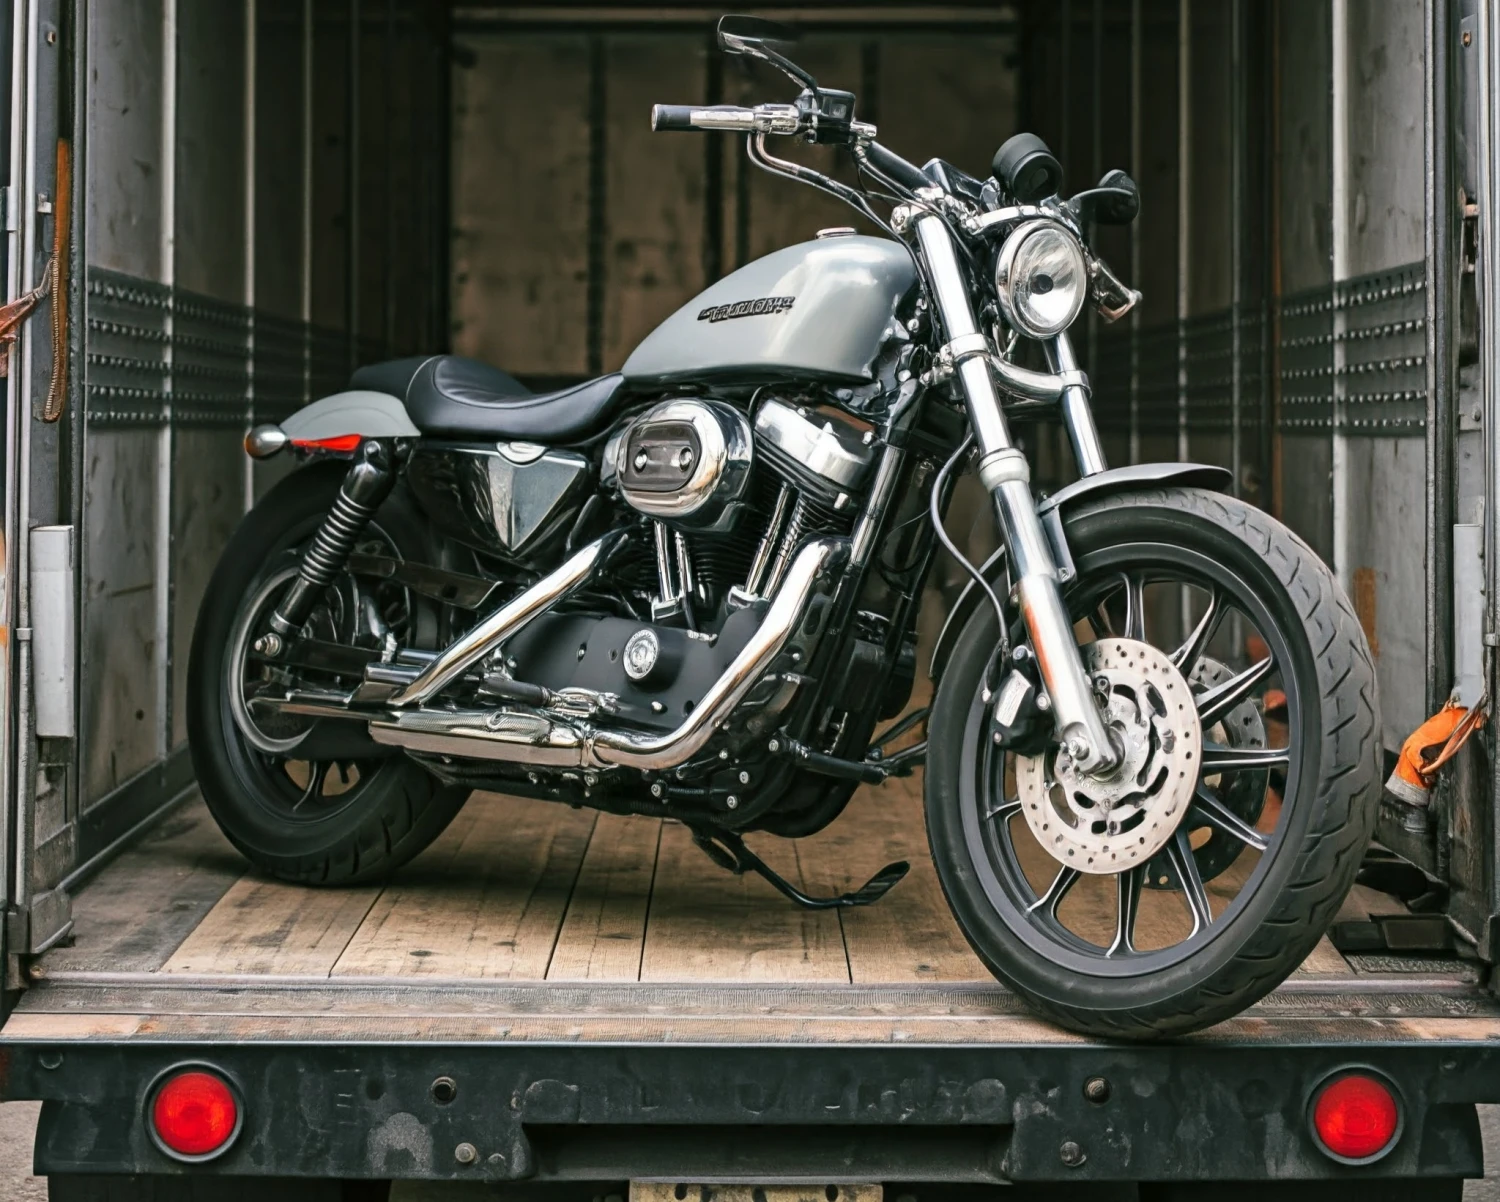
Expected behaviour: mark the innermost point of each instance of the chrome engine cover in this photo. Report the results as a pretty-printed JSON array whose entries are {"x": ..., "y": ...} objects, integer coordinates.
[
  {"x": 687, "y": 462},
  {"x": 819, "y": 447}
]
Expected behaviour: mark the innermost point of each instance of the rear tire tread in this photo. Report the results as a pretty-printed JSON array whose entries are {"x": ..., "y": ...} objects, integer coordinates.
[{"x": 397, "y": 820}]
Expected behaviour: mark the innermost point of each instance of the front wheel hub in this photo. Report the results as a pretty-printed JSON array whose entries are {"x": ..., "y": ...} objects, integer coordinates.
[{"x": 1116, "y": 822}]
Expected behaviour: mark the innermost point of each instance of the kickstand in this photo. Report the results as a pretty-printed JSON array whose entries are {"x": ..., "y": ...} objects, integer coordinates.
[{"x": 729, "y": 852}]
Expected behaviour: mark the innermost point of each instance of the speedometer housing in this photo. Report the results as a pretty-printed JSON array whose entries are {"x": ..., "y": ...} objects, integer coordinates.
[{"x": 1041, "y": 278}]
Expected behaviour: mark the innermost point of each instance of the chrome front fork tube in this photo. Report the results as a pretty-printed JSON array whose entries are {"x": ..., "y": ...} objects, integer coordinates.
[
  {"x": 1077, "y": 415},
  {"x": 1004, "y": 472}
]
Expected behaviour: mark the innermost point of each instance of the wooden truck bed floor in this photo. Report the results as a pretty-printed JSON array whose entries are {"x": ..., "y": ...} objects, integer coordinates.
[{"x": 532, "y": 921}]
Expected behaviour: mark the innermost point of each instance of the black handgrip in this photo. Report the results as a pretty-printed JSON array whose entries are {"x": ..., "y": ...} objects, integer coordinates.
[
  {"x": 893, "y": 166},
  {"x": 668, "y": 118}
]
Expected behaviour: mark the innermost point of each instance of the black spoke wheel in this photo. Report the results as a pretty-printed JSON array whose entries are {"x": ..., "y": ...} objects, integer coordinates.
[
  {"x": 1243, "y": 879},
  {"x": 305, "y": 799}
]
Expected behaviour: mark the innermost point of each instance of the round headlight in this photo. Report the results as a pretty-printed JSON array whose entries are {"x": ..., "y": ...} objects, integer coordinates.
[{"x": 1041, "y": 279}]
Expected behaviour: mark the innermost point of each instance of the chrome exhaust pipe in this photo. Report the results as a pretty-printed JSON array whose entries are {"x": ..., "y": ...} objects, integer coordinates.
[
  {"x": 535, "y": 737},
  {"x": 459, "y": 656},
  {"x": 518, "y": 736},
  {"x": 636, "y": 749}
]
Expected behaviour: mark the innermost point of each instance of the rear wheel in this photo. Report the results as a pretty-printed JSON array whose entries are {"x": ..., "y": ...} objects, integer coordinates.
[
  {"x": 306, "y": 801},
  {"x": 1240, "y": 684}
]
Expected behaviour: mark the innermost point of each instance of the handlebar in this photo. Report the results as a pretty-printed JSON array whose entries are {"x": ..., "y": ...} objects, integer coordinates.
[
  {"x": 894, "y": 167},
  {"x": 730, "y": 118}
]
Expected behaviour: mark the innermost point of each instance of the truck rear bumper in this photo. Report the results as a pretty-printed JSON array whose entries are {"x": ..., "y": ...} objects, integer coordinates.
[{"x": 807, "y": 1083}]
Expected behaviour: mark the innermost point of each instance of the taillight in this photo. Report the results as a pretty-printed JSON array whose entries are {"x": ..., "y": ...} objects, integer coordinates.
[
  {"x": 194, "y": 1114},
  {"x": 342, "y": 443},
  {"x": 1356, "y": 1117}
]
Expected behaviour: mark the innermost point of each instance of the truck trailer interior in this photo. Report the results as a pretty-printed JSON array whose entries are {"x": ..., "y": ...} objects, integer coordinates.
[{"x": 238, "y": 202}]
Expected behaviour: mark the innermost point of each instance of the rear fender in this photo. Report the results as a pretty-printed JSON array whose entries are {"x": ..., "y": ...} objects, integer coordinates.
[
  {"x": 1060, "y": 503},
  {"x": 372, "y": 414}
]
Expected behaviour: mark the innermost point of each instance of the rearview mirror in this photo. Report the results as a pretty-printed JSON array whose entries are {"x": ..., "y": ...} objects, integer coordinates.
[
  {"x": 744, "y": 35},
  {"x": 758, "y": 38},
  {"x": 1115, "y": 201}
]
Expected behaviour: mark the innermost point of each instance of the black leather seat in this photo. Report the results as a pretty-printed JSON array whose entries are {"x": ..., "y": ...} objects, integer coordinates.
[
  {"x": 449, "y": 396},
  {"x": 394, "y": 376}
]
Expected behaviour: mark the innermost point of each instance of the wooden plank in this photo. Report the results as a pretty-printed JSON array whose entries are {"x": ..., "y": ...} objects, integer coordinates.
[
  {"x": 910, "y": 934},
  {"x": 604, "y": 929},
  {"x": 139, "y": 909},
  {"x": 1411, "y": 996},
  {"x": 360, "y": 1007},
  {"x": 486, "y": 900},
  {"x": 263, "y": 926},
  {"x": 646, "y": 1029},
  {"x": 708, "y": 925},
  {"x": 1325, "y": 961},
  {"x": 1251, "y": 1028}
]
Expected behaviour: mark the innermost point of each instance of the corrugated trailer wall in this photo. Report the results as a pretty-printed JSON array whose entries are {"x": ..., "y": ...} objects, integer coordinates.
[
  {"x": 576, "y": 230},
  {"x": 1279, "y": 150},
  {"x": 264, "y": 197}
]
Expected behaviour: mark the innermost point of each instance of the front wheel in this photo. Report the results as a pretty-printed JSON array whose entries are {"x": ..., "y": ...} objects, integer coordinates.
[{"x": 1240, "y": 687}]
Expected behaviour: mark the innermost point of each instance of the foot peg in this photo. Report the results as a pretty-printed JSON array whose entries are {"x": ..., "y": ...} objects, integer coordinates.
[{"x": 729, "y": 852}]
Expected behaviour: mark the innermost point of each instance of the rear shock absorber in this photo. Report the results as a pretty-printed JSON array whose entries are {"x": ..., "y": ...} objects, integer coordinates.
[{"x": 369, "y": 481}]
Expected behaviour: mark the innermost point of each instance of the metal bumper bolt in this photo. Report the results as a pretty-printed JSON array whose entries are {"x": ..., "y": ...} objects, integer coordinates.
[
  {"x": 1096, "y": 1089},
  {"x": 466, "y": 1153},
  {"x": 1071, "y": 1154}
]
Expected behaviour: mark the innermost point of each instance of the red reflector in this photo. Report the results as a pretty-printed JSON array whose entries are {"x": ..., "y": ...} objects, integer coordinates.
[
  {"x": 1356, "y": 1117},
  {"x": 340, "y": 442},
  {"x": 195, "y": 1113}
]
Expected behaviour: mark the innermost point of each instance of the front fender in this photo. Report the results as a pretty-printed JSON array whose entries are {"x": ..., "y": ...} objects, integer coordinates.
[
  {"x": 373, "y": 414},
  {"x": 1119, "y": 479}
]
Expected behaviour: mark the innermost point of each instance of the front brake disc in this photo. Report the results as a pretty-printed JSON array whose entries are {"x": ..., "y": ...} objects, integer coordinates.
[
  {"x": 1108, "y": 825},
  {"x": 1242, "y": 728}
]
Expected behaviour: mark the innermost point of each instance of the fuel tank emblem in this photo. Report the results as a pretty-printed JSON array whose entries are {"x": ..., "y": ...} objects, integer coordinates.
[{"x": 747, "y": 308}]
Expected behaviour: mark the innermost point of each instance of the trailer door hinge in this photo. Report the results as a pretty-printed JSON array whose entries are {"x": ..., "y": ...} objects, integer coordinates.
[{"x": 17, "y": 928}]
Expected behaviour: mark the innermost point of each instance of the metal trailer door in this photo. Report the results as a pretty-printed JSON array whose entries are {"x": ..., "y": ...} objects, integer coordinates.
[{"x": 37, "y": 638}]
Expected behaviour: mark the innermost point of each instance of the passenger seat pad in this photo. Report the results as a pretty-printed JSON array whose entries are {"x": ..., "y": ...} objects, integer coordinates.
[{"x": 395, "y": 376}]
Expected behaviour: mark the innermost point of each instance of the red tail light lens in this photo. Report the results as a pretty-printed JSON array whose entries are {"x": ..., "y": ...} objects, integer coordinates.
[
  {"x": 343, "y": 443},
  {"x": 1356, "y": 1117},
  {"x": 194, "y": 1114}
]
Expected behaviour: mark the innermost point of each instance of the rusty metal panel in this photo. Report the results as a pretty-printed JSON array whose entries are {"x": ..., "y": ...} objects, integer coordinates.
[
  {"x": 968, "y": 92},
  {"x": 332, "y": 165},
  {"x": 1383, "y": 351},
  {"x": 124, "y": 171},
  {"x": 1158, "y": 225},
  {"x": 121, "y": 705},
  {"x": 121, "y": 700},
  {"x": 209, "y": 248},
  {"x": 1305, "y": 51},
  {"x": 126, "y": 399},
  {"x": 653, "y": 185},
  {"x": 211, "y": 328},
  {"x": 279, "y": 148},
  {"x": 210, "y": 409},
  {"x": 520, "y": 202},
  {"x": 207, "y": 503}
]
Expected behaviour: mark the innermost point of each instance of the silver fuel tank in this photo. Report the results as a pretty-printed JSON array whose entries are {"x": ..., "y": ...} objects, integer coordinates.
[{"x": 819, "y": 308}]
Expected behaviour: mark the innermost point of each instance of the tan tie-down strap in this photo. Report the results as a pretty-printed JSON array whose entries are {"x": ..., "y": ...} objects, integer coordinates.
[{"x": 14, "y": 315}]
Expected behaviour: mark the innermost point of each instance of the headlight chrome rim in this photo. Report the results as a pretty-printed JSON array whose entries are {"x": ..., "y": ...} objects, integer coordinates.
[{"x": 1017, "y": 303}]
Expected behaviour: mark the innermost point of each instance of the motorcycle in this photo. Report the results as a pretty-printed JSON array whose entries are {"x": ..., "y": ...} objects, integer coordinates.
[{"x": 689, "y": 589}]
